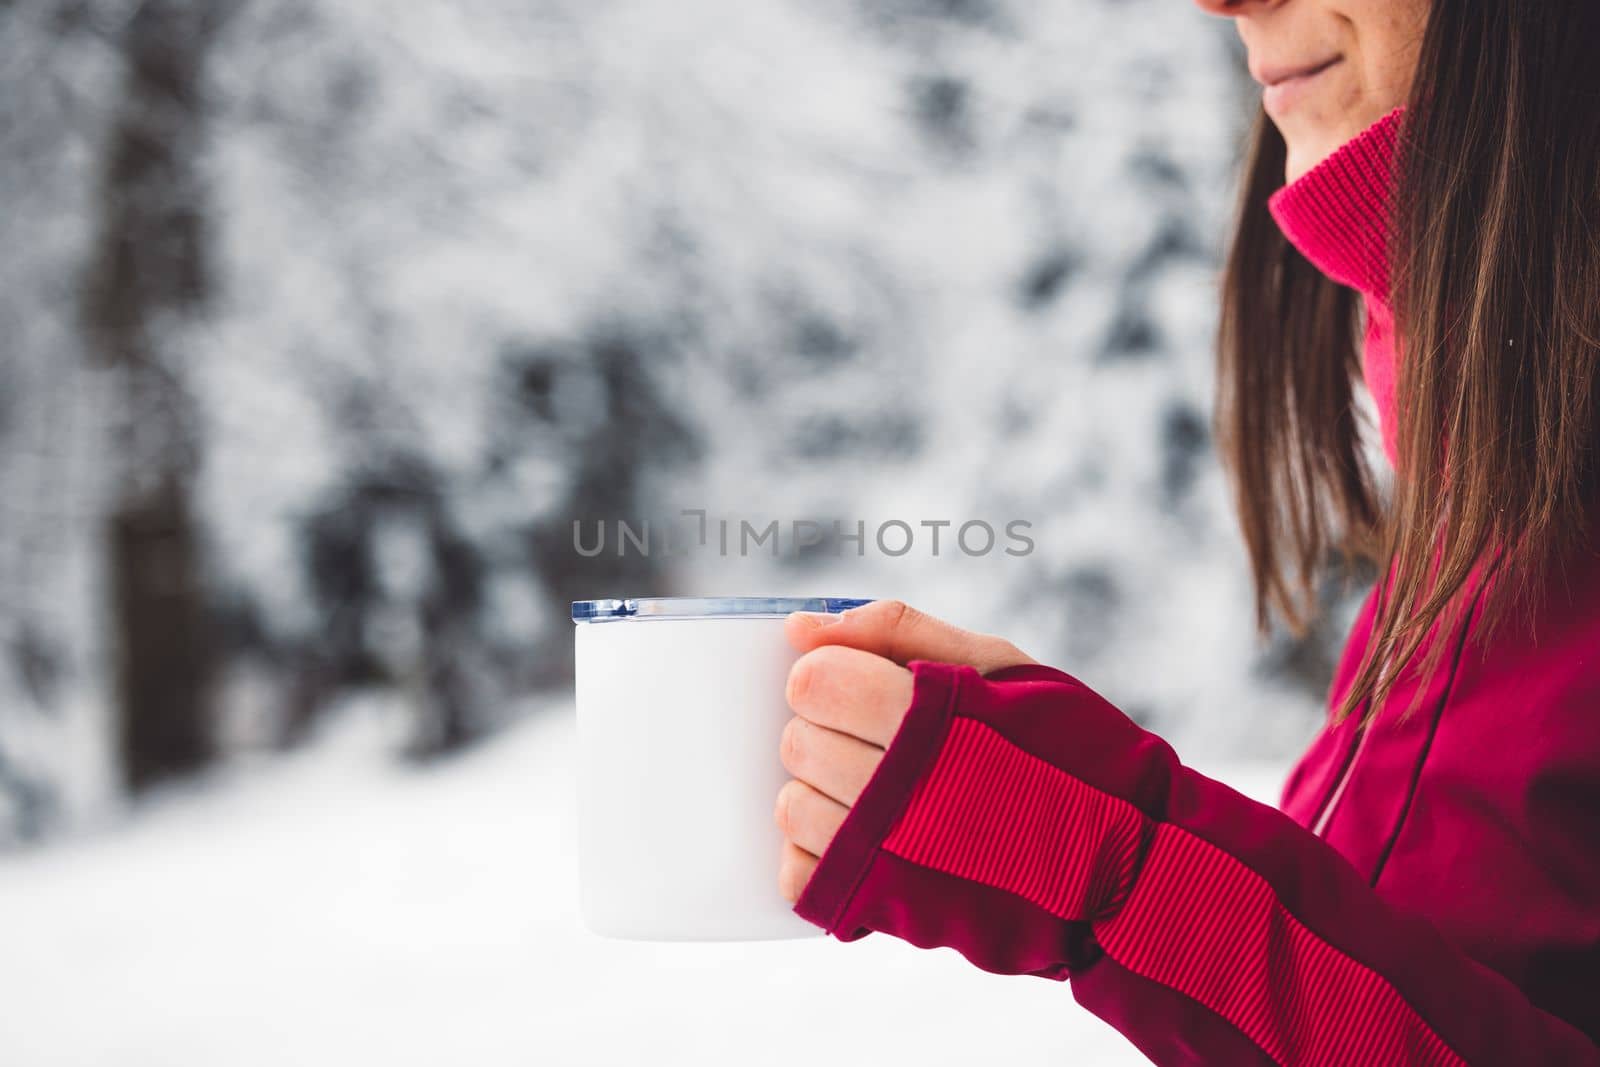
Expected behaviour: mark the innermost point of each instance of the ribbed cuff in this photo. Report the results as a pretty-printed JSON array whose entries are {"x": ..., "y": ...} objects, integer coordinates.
[{"x": 909, "y": 755}]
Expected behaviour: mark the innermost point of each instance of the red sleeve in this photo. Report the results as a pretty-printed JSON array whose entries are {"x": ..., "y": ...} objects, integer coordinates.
[{"x": 1027, "y": 823}]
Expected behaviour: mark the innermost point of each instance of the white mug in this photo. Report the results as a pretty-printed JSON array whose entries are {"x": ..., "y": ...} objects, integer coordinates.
[{"x": 680, "y": 712}]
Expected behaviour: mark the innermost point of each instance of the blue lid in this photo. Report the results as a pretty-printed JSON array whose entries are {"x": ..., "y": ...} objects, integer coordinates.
[{"x": 707, "y": 607}]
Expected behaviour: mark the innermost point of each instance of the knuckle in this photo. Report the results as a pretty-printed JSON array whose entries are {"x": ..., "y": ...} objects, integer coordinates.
[
  {"x": 780, "y": 810},
  {"x": 808, "y": 678},
  {"x": 802, "y": 679},
  {"x": 897, "y": 614},
  {"x": 789, "y": 880},
  {"x": 827, "y": 659},
  {"x": 791, "y": 748}
]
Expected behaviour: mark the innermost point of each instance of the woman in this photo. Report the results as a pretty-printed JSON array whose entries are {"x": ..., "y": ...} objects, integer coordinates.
[{"x": 1429, "y": 892}]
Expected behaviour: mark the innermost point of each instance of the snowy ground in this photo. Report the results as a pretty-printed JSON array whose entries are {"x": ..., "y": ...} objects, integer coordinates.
[{"x": 334, "y": 909}]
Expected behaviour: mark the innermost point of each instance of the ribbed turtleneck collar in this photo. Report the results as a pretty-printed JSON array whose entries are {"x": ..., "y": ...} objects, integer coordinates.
[{"x": 1338, "y": 214}]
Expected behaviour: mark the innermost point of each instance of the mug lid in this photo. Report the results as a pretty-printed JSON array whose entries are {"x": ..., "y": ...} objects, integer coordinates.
[{"x": 707, "y": 607}]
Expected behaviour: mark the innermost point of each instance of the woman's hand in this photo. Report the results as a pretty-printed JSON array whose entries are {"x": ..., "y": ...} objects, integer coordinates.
[{"x": 849, "y": 691}]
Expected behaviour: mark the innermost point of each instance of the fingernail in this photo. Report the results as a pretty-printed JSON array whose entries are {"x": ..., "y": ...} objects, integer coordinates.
[{"x": 817, "y": 619}]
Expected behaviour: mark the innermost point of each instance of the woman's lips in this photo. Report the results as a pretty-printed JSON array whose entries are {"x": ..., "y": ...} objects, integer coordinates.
[{"x": 1283, "y": 86}]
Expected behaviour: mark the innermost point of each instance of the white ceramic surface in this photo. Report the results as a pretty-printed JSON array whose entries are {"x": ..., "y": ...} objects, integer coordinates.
[{"x": 679, "y": 722}]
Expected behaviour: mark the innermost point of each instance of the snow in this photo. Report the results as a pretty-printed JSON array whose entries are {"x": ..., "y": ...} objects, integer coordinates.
[
  {"x": 337, "y": 908},
  {"x": 816, "y": 224},
  {"x": 884, "y": 260},
  {"x": 813, "y": 223}
]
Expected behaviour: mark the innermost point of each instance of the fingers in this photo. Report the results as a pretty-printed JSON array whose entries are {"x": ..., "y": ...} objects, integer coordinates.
[
  {"x": 896, "y": 631},
  {"x": 833, "y": 763},
  {"x": 807, "y": 818},
  {"x": 851, "y": 691},
  {"x": 794, "y": 871}
]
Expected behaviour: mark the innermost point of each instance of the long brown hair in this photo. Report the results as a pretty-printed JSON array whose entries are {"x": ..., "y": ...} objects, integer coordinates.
[{"x": 1496, "y": 295}]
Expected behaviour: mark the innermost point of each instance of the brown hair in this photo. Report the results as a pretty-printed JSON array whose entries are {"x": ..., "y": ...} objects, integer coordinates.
[{"x": 1496, "y": 294}]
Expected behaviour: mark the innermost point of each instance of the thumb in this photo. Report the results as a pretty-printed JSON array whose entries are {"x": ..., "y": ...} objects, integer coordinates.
[{"x": 895, "y": 631}]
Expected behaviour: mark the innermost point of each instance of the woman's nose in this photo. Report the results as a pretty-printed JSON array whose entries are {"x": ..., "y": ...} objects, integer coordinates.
[{"x": 1227, "y": 8}]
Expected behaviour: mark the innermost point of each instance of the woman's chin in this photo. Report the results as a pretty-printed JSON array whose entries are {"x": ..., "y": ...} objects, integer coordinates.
[
  {"x": 1315, "y": 137},
  {"x": 1296, "y": 166},
  {"x": 1303, "y": 155}
]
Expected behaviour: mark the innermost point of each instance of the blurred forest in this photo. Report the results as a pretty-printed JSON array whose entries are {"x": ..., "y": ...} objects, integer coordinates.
[{"x": 322, "y": 320}]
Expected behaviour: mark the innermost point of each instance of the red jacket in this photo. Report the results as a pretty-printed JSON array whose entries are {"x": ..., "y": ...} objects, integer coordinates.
[{"x": 1428, "y": 894}]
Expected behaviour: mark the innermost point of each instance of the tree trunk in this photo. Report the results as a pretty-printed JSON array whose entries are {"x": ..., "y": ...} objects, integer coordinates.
[{"x": 149, "y": 278}]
